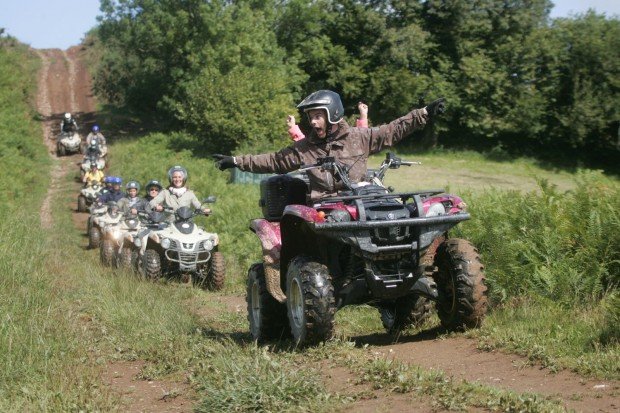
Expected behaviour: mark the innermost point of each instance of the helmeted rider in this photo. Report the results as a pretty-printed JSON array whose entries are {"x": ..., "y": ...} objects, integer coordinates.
[
  {"x": 131, "y": 202},
  {"x": 177, "y": 194},
  {"x": 68, "y": 124},
  {"x": 114, "y": 193},
  {"x": 93, "y": 150},
  {"x": 152, "y": 188},
  {"x": 93, "y": 175},
  {"x": 332, "y": 136},
  {"x": 97, "y": 136}
]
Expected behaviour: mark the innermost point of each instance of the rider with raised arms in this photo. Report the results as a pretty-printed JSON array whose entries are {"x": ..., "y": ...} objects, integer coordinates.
[{"x": 332, "y": 136}]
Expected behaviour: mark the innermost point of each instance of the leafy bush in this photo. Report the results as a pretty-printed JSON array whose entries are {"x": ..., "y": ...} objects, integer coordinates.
[{"x": 563, "y": 246}]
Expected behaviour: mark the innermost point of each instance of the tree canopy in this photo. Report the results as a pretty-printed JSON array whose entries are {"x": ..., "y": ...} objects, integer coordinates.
[{"x": 230, "y": 71}]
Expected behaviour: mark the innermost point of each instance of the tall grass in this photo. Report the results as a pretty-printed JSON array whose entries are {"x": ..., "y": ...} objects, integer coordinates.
[{"x": 23, "y": 159}]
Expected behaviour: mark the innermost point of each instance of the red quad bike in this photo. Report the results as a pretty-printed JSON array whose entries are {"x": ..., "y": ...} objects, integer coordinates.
[{"x": 368, "y": 245}]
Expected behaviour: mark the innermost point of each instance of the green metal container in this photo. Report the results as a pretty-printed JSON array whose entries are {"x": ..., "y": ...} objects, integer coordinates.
[{"x": 240, "y": 177}]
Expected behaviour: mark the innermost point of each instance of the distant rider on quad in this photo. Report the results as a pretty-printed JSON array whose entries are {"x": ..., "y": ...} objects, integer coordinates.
[
  {"x": 131, "y": 202},
  {"x": 114, "y": 194},
  {"x": 68, "y": 124},
  {"x": 98, "y": 137},
  {"x": 332, "y": 136},
  {"x": 177, "y": 195},
  {"x": 94, "y": 175},
  {"x": 93, "y": 150}
]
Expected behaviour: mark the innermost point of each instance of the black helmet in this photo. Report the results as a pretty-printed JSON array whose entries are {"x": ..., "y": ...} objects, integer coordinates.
[
  {"x": 153, "y": 182},
  {"x": 174, "y": 169},
  {"x": 324, "y": 99}
]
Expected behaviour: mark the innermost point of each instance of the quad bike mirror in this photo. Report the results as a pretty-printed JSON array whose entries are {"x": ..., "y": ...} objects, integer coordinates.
[{"x": 209, "y": 200}]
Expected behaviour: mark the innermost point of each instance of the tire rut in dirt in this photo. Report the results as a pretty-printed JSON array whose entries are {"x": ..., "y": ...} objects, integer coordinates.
[
  {"x": 310, "y": 301},
  {"x": 461, "y": 285},
  {"x": 267, "y": 317}
]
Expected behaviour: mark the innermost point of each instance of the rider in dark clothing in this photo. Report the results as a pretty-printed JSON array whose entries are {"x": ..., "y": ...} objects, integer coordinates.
[{"x": 68, "y": 124}]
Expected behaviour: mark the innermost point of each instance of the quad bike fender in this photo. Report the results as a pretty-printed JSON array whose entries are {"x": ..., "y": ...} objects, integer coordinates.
[
  {"x": 303, "y": 212},
  {"x": 269, "y": 235},
  {"x": 453, "y": 204}
]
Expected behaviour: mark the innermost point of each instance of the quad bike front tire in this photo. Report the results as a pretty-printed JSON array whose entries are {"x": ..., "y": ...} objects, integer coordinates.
[
  {"x": 151, "y": 265},
  {"x": 405, "y": 312},
  {"x": 94, "y": 237},
  {"x": 310, "y": 303},
  {"x": 81, "y": 203},
  {"x": 60, "y": 150},
  {"x": 107, "y": 253},
  {"x": 127, "y": 258},
  {"x": 266, "y": 315},
  {"x": 216, "y": 272},
  {"x": 460, "y": 279}
]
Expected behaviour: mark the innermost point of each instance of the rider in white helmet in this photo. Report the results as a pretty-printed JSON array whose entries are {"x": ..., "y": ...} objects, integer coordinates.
[
  {"x": 177, "y": 194},
  {"x": 68, "y": 124}
]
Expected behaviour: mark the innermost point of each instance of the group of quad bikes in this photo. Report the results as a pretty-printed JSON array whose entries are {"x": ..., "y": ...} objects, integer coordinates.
[
  {"x": 153, "y": 246},
  {"x": 367, "y": 245},
  {"x": 149, "y": 244}
]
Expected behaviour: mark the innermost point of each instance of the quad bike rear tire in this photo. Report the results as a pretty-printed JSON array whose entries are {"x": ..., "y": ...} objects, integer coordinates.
[
  {"x": 127, "y": 258},
  {"x": 266, "y": 315},
  {"x": 216, "y": 272},
  {"x": 461, "y": 285},
  {"x": 81, "y": 203},
  {"x": 310, "y": 303},
  {"x": 94, "y": 237},
  {"x": 106, "y": 252},
  {"x": 405, "y": 312},
  {"x": 151, "y": 265}
]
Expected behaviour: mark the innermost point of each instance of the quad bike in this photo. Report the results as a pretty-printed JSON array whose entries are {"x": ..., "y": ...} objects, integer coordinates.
[
  {"x": 88, "y": 195},
  {"x": 87, "y": 163},
  {"x": 67, "y": 143},
  {"x": 101, "y": 217},
  {"x": 116, "y": 248},
  {"x": 367, "y": 245},
  {"x": 183, "y": 248}
]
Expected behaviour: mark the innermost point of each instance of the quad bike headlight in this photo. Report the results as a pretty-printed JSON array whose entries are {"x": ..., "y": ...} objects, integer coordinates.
[
  {"x": 165, "y": 243},
  {"x": 116, "y": 234},
  {"x": 137, "y": 242},
  {"x": 436, "y": 209},
  {"x": 208, "y": 245},
  {"x": 131, "y": 223}
]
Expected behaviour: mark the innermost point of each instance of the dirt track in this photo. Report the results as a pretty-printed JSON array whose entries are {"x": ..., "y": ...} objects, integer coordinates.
[{"x": 64, "y": 85}]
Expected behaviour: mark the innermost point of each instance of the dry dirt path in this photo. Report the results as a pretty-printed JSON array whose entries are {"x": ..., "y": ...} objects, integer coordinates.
[{"x": 64, "y": 86}]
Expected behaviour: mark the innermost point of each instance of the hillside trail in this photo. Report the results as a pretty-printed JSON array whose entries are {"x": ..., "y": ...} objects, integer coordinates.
[{"x": 65, "y": 85}]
